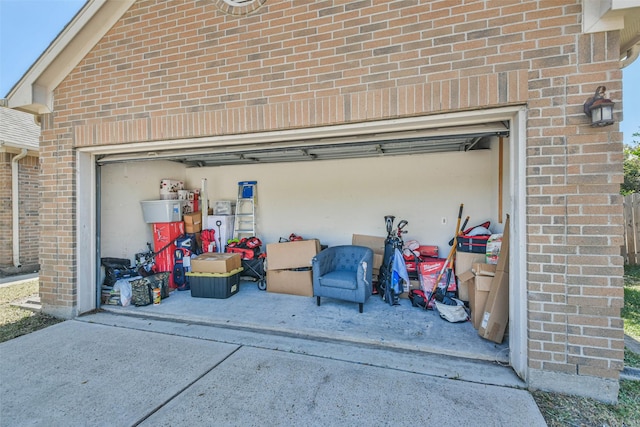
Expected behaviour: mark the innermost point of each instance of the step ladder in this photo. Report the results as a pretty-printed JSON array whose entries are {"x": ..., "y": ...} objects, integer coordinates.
[{"x": 245, "y": 220}]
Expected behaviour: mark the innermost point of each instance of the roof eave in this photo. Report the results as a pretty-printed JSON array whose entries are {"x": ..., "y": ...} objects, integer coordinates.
[
  {"x": 15, "y": 148},
  {"x": 33, "y": 93},
  {"x": 610, "y": 15}
]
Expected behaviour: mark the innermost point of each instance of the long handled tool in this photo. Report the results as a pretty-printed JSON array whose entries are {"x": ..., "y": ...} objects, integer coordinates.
[
  {"x": 450, "y": 257},
  {"x": 453, "y": 254},
  {"x": 220, "y": 248}
]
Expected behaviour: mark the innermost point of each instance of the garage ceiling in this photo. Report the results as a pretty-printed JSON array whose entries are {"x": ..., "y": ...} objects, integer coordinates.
[{"x": 460, "y": 138}]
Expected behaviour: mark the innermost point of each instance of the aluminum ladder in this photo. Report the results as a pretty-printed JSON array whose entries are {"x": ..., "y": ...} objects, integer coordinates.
[{"x": 245, "y": 220}]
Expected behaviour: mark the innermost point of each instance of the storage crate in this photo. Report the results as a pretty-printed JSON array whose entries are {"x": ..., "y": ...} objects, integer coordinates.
[
  {"x": 162, "y": 210},
  {"x": 224, "y": 207},
  {"x": 214, "y": 285}
]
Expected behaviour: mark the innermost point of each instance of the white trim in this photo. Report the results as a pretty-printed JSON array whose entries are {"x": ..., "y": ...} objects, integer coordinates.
[
  {"x": 516, "y": 200},
  {"x": 518, "y": 344},
  {"x": 434, "y": 123},
  {"x": 86, "y": 244},
  {"x": 605, "y": 15}
]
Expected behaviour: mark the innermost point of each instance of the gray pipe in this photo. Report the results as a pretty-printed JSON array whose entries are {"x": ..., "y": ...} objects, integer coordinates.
[{"x": 15, "y": 199}]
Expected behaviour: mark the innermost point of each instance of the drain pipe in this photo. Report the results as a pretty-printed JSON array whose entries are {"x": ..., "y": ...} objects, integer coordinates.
[{"x": 15, "y": 199}]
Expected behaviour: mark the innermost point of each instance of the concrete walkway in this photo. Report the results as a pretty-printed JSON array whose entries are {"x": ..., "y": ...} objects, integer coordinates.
[{"x": 113, "y": 370}]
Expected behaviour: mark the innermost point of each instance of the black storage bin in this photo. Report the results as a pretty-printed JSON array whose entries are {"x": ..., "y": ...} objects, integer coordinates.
[{"x": 214, "y": 285}]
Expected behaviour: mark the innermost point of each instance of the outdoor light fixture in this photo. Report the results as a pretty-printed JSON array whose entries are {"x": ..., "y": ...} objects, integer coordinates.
[{"x": 599, "y": 109}]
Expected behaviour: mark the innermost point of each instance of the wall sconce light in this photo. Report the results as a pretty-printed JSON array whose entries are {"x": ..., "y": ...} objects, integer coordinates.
[{"x": 599, "y": 109}]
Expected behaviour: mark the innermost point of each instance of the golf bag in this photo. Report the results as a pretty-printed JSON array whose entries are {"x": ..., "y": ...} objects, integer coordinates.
[{"x": 393, "y": 270}]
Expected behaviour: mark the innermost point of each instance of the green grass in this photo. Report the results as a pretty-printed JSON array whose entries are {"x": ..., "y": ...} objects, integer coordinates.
[
  {"x": 15, "y": 321},
  {"x": 563, "y": 410},
  {"x": 631, "y": 309}
]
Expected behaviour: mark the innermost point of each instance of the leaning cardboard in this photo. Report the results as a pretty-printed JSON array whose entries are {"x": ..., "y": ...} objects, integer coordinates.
[
  {"x": 496, "y": 312},
  {"x": 375, "y": 243}
]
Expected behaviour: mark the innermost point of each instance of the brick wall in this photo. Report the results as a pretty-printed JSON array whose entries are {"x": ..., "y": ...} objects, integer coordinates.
[
  {"x": 28, "y": 207},
  {"x": 171, "y": 69}
]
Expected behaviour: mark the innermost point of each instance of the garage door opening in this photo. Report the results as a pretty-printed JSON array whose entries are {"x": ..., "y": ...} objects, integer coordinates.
[{"x": 420, "y": 174}]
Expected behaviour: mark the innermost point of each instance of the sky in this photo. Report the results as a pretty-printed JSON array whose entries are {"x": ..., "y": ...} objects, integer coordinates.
[{"x": 27, "y": 27}]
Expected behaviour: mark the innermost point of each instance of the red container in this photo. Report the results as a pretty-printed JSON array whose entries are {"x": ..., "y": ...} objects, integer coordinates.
[
  {"x": 164, "y": 236},
  {"x": 428, "y": 251},
  {"x": 428, "y": 271}
]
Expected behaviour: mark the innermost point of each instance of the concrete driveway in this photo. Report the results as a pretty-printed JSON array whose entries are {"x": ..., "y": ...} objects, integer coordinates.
[{"x": 107, "y": 369}]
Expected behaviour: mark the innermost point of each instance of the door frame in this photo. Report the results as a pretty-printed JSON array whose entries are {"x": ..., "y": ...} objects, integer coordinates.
[{"x": 87, "y": 216}]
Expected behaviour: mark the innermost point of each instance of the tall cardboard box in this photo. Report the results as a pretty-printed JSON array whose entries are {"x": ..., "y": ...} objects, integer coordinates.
[
  {"x": 464, "y": 261},
  {"x": 496, "y": 312},
  {"x": 376, "y": 244},
  {"x": 479, "y": 289},
  {"x": 290, "y": 255},
  {"x": 289, "y": 267}
]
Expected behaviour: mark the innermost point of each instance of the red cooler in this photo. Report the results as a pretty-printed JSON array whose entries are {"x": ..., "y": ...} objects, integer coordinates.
[{"x": 165, "y": 233}]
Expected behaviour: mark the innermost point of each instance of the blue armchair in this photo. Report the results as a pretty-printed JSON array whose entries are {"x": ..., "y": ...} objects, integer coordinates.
[{"x": 343, "y": 272}]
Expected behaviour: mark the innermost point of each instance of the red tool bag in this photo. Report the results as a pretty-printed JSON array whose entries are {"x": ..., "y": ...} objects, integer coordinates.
[
  {"x": 208, "y": 240},
  {"x": 248, "y": 248},
  {"x": 468, "y": 241},
  {"x": 428, "y": 271}
]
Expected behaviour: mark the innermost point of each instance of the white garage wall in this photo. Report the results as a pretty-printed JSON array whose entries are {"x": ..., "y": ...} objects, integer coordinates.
[
  {"x": 123, "y": 230},
  {"x": 329, "y": 200}
]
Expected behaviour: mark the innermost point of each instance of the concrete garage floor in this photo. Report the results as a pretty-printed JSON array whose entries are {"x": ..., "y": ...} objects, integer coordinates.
[{"x": 397, "y": 327}]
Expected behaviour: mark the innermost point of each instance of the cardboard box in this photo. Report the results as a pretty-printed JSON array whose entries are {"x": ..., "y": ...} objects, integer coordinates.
[
  {"x": 503, "y": 259},
  {"x": 496, "y": 312},
  {"x": 213, "y": 262},
  {"x": 464, "y": 280},
  {"x": 377, "y": 262},
  {"x": 290, "y": 282},
  {"x": 465, "y": 260},
  {"x": 481, "y": 269},
  {"x": 375, "y": 243},
  {"x": 289, "y": 255},
  {"x": 192, "y": 218},
  {"x": 479, "y": 289},
  {"x": 193, "y": 228},
  {"x": 495, "y": 316},
  {"x": 413, "y": 284},
  {"x": 192, "y": 222}
]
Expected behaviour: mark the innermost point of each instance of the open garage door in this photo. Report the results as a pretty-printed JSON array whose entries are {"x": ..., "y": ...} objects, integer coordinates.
[
  {"x": 422, "y": 167},
  {"x": 303, "y": 145}
]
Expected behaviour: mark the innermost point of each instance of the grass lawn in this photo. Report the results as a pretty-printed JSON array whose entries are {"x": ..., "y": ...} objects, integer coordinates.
[{"x": 15, "y": 321}]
